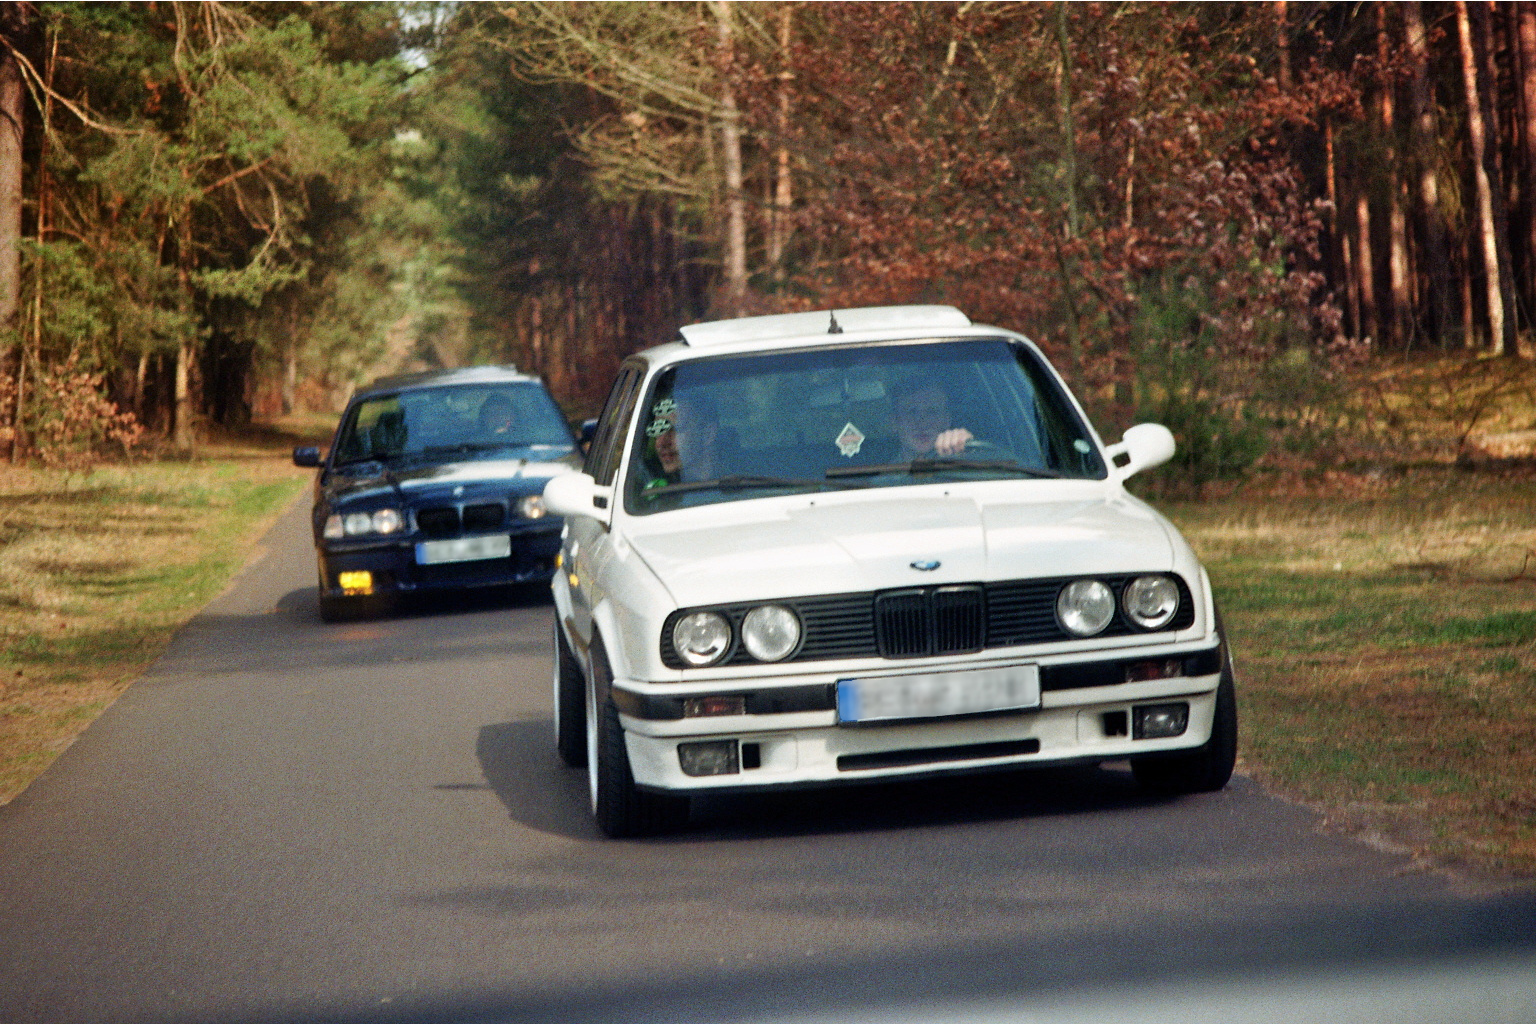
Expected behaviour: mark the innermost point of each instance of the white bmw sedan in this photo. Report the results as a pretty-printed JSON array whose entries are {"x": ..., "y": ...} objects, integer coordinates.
[{"x": 829, "y": 547}]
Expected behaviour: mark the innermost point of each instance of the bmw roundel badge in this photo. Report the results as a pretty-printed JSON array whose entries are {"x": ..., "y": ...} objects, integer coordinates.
[{"x": 925, "y": 565}]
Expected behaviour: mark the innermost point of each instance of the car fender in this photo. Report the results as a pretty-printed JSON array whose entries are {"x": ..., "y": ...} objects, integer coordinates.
[
  {"x": 629, "y": 619},
  {"x": 560, "y": 593}
]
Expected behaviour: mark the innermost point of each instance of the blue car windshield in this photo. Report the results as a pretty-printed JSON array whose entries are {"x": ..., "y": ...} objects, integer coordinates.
[
  {"x": 735, "y": 427},
  {"x": 500, "y": 420}
]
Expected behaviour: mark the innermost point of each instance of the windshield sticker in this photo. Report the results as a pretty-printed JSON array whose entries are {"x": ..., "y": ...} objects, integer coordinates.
[
  {"x": 1082, "y": 446},
  {"x": 850, "y": 440}
]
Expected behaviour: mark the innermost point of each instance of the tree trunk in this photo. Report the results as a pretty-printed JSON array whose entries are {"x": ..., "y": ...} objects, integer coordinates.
[
  {"x": 1525, "y": 41},
  {"x": 1365, "y": 270},
  {"x": 181, "y": 394},
  {"x": 1471, "y": 30},
  {"x": 735, "y": 196},
  {"x": 1425, "y": 132},
  {"x": 1283, "y": 43},
  {"x": 13, "y": 25},
  {"x": 1069, "y": 173},
  {"x": 783, "y": 197},
  {"x": 1395, "y": 330}
]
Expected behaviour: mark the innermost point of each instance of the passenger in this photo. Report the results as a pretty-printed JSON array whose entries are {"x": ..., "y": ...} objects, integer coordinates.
[
  {"x": 686, "y": 433},
  {"x": 921, "y": 416}
]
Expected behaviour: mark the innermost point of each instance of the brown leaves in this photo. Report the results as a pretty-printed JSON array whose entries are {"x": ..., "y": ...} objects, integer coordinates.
[{"x": 76, "y": 423}]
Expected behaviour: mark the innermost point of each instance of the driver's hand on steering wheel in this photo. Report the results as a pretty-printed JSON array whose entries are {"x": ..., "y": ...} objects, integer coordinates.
[{"x": 952, "y": 442}]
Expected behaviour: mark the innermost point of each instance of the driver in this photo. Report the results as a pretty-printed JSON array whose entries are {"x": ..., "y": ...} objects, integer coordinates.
[
  {"x": 496, "y": 415},
  {"x": 921, "y": 417}
]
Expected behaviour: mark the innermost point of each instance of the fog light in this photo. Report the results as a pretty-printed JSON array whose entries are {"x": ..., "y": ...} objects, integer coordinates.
[
  {"x": 713, "y": 757},
  {"x": 1159, "y": 721},
  {"x": 360, "y": 582},
  {"x": 708, "y": 707}
]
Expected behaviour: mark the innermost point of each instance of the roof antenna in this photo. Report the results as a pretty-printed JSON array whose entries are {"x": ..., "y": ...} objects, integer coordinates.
[{"x": 835, "y": 327}]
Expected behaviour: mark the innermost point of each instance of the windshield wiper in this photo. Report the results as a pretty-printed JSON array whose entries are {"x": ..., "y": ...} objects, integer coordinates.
[
  {"x": 363, "y": 460},
  {"x": 469, "y": 447},
  {"x": 917, "y": 466},
  {"x": 733, "y": 483}
]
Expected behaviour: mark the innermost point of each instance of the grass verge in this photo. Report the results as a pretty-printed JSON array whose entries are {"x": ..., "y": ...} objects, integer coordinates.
[
  {"x": 1385, "y": 635},
  {"x": 97, "y": 571}
]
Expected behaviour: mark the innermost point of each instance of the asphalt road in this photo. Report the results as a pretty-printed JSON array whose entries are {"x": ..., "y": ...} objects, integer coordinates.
[{"x": 286, "y": 821}]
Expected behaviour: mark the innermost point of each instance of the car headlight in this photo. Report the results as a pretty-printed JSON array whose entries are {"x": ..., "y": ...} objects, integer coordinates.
[
  {"x": 531, "y": 507},
  {"x": 770, "y": 632},
  {"x": 1084, "y": 607},
  {"x": 359, "y": 524},
  {"x": 1150, "y": 601},
  {"x": 387, "y": 520},
  {"x": 701, "y": 638}
]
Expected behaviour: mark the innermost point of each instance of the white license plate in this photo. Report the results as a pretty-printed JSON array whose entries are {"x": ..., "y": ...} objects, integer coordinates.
[
  {"x": 463, "y": 549},
  {"x": 938, "y": 694}
]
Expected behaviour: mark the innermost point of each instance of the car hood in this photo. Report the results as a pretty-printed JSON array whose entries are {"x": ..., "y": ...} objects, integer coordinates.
[
  {"x": 474, "y": 476},
  {"x": 751, "y": 552}
]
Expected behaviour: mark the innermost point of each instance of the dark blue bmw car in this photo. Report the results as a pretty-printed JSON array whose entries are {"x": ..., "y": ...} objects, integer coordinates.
[{"x": 434, "y": 481}]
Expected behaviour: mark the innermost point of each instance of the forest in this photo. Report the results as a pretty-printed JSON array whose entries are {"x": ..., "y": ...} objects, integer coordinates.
[{"x": 1218, "y": 216}]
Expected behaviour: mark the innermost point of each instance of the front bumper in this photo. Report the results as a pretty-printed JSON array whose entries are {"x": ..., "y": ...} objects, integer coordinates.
[
  {"x": 392, "y": 566},
  {"x": 795, "y": 739}
]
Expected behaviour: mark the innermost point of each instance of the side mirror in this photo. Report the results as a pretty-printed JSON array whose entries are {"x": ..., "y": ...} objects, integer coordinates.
[
  {"x": 1144, "y": 446},
  {"x": 585, "y": 432},
  {"x": 577, "y": 494},
  {"x": 308, "y": 457}
]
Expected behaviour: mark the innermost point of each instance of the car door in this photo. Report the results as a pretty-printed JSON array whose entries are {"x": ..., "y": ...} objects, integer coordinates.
[{"x": 587, "y": 537}]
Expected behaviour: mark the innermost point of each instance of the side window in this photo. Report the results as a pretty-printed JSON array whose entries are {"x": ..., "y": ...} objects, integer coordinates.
[{"x": 613, "y": 427}]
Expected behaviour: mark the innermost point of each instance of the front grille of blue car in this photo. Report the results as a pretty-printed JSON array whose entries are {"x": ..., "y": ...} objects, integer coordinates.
[{"x": 451, "y": 520}]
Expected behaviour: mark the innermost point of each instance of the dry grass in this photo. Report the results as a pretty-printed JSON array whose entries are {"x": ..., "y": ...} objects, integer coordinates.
[
  {"x": 1386, "y": 637},
  {"x": 98, "y": 570}
]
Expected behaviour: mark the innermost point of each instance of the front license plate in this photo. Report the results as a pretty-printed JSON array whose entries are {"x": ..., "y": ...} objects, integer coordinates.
[
  {"x": 938, "y": 694},
  {"x": 463, "y": 549}
]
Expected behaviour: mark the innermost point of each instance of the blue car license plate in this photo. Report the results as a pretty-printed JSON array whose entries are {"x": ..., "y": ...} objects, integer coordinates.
[{"x": 463, "y": 549}]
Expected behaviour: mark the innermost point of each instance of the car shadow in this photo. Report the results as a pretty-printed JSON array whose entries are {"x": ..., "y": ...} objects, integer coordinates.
[
  {"x": 304, "y": 602},
  {"x": 520, "y": 765}
]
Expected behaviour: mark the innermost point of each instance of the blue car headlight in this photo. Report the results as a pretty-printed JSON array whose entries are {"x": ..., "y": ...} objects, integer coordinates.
[{"x": 383, "y": 522}]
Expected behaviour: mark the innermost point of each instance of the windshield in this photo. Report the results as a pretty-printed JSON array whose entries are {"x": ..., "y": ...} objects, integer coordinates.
[
  {"x": 738, "y": 427},
  {"x": 505, "y": 420}
]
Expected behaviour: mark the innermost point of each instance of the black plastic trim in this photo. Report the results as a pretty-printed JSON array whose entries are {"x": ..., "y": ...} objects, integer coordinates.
[{"x": 936, "y": 755}]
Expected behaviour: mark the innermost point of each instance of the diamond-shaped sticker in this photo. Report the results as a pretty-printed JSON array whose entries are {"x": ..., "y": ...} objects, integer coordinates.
[{"x": 850, "y": 440}]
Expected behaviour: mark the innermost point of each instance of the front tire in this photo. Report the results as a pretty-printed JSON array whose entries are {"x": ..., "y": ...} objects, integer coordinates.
[
  {"x": 621, "y": 808},
  {"x": 1207, "y": 768},
  {"x": 569, "y": 704}
]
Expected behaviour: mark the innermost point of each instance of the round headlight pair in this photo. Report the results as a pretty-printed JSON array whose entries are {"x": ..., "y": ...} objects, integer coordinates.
[
  {"x": 769, "y": 632},
  {"x": 357, "y": 524},
  {"x": 1086, "y": 607}
]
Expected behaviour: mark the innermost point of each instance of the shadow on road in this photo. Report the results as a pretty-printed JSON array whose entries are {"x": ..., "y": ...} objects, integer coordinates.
[
  {"x": 304, "y": 603},
  {"x": 1374, "y": 964},
  {"x": 520, "y": 765}
]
